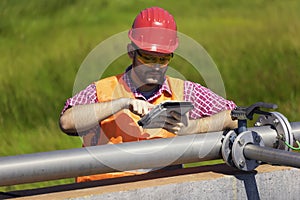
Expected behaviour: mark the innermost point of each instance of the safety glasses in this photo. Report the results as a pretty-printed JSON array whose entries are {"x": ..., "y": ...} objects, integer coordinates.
[{"x": 153, "y": 59}]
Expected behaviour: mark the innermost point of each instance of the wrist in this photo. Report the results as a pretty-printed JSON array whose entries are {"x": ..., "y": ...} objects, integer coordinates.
[{"x": 125, "y": 103}]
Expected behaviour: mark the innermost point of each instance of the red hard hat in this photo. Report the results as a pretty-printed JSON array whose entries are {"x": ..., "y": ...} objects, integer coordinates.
[{"x": 154, "y": 29}]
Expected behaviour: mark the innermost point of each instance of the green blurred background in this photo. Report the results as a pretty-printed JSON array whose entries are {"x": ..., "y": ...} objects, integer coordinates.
[{"x": 255, "y": 44}]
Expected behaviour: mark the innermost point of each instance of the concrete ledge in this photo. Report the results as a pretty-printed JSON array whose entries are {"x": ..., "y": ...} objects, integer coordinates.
[{"x": 208, "y": 182}]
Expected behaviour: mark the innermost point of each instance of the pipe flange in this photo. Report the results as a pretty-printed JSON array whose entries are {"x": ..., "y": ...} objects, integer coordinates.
[
  {"x": 227, "y": 146},
  {"x": 282, "y": 126},
  {"x": 239, "y": 160}
]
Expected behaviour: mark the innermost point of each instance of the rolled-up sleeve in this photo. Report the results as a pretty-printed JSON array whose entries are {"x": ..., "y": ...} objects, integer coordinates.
[
  {"x": 206, "y": 102},
  {"x": 86, "y": 96}
]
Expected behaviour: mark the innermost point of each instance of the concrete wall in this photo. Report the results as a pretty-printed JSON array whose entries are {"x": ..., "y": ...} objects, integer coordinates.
[{"x": 209, "y": 182}]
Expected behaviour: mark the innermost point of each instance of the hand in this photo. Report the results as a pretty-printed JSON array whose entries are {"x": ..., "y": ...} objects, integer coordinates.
[
  {"x": 173, "y": 123},
  {"x": 139, "y": 107}
]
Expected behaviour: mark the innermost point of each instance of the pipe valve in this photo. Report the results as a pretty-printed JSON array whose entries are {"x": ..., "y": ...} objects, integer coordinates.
[
  {"x": 235, "y": 141},
  {"x": 244, "y": 113}
]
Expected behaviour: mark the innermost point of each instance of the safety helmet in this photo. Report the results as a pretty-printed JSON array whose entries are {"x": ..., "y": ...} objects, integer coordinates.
[{"x": 154, "y": 29}]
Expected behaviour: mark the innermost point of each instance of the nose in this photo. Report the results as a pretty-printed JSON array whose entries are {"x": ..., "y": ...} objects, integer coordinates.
[{"x": 157, "y": 66}]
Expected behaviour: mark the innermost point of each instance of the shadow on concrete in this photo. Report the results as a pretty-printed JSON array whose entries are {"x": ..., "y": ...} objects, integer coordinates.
[
  {"x": 249, "y": 185},
  {"x": 249, "y": 181}
]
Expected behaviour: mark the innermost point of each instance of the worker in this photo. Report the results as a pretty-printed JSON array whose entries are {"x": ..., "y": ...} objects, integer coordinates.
[{"x": 107, "y": 110}]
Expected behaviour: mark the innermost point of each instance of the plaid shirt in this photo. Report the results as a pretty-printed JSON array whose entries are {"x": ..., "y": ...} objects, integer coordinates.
[{"x": 205, "y": 101}]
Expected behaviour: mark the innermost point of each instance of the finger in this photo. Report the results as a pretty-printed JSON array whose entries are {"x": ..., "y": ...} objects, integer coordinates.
[
  {"x": 181, "y": 118},
  {"x": 171, "y": 128},
  {"x": 135, "y": 107},
  {"x": 140, "y": 108},
  {"x": 150, "y": 106},
  {"x": 146, "y": 107},
  {"x": 145, "y": 110},
  {"x": 176, "y": 115},
  {"x": 143, "y": 107},
  {"x": 171, "y": 120}
]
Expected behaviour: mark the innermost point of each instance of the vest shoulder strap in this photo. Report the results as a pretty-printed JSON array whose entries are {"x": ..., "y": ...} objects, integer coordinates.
[
  {"x": 177, "y": 87},
  {"x": 111, "y": 88}
]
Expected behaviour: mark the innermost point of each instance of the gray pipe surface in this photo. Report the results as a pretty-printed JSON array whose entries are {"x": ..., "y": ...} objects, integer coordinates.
[
  {"x": 119, "y": 157},
  {"x": 296, "y": 130},
  {"x": 272, "y": 156},
  {"x": 109, "y": 158}
]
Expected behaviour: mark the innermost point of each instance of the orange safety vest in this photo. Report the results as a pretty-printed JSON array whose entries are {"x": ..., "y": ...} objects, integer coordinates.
[{"x": 122, "y": 126}]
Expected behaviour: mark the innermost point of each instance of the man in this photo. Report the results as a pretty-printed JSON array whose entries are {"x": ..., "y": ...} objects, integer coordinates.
[{"x": 107, "y": 111}]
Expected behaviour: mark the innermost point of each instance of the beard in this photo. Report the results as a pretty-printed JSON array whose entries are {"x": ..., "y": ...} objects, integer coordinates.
[{"x": 149, "y": 76}]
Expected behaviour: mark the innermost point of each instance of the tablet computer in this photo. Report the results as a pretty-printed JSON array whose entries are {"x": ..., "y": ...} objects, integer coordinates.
[{"x": 164, "y": 109}]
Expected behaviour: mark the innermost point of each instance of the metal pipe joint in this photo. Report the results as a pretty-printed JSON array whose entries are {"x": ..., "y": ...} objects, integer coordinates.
[{"x": 235, "y": 141}]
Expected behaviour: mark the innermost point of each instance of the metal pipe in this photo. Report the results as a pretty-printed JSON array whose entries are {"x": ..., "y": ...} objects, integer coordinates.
[
  {"x": 120, "y": 157},
  {"x": 296, "y": 130},
  {"x": 109, "y": 158},
  {"x": 268, "y": 134},
  {"x": 273, "y": 156}
]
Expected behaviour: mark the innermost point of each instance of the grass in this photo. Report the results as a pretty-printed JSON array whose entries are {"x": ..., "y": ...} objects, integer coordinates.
[{"x": 255, "y": 45}]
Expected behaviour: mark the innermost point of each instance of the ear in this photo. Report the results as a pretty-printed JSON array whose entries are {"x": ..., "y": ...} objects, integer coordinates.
[{"x": 130, "y": 50}]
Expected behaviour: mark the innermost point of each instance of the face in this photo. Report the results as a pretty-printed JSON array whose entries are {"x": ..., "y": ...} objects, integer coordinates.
[{"x": 150, "y": 68}]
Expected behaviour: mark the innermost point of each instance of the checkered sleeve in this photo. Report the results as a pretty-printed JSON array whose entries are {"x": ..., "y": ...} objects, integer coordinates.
[
  {"x": 206, "y": 102},
  {"x": 86, "y": 96}
]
